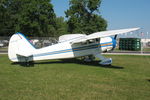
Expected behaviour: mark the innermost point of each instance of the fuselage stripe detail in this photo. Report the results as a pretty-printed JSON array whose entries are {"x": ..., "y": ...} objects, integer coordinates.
[{"x": 74, "y": 49}]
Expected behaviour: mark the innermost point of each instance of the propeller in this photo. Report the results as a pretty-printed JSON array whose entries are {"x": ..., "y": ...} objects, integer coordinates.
[
  {"x": 115, "y": 37},
  {"x": 114, "y": 42}
]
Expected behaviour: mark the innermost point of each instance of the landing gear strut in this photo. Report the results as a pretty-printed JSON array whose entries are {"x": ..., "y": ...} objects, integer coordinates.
[{"x": 104, "y": 61}]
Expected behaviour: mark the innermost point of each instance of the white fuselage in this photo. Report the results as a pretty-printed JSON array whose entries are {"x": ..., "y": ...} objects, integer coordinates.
[
  {"x": 69, "y": 46},
  {"x": 67, "y": 50},
  {"x": 21, "y": 50}
]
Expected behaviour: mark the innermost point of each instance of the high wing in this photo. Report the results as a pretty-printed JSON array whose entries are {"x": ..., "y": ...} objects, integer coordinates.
[{"x": 103, "y": 34}]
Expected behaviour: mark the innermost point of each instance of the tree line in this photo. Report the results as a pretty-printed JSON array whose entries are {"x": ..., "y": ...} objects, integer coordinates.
[{"x": 37, "y": 18}]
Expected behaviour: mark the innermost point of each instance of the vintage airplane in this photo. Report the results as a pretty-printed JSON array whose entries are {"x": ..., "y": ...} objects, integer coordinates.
[{"x": 68, "y": 46}]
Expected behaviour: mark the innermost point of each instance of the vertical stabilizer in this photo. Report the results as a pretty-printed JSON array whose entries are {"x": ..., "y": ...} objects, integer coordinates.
[{"x": 20, "y": 48}]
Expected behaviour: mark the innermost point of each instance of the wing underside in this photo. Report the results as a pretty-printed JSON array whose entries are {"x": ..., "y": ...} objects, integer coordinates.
[{"x": 103, "y": 34}]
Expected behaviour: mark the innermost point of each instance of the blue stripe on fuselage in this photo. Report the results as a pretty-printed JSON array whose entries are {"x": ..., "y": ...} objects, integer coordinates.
[{"x": 73, "y": 49}]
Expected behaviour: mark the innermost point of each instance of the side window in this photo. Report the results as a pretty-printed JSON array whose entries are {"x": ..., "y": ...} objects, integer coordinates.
[
  {"x": 97, "y": 40},
  {"x": 91, "y": 41},
  {"x": 84, "y": 43}
]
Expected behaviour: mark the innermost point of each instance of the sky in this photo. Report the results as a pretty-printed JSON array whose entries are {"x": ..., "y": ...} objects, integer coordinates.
[{"x": 119, "y": 14}]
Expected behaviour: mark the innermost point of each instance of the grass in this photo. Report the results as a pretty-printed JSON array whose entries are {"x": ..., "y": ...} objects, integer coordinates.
[
  {"x": 3, "y": 48},
  {"x": 127, "y": 79}
]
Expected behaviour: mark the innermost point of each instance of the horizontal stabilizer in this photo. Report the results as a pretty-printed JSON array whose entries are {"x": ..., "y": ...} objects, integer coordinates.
[{"x": 22, "y": 53}]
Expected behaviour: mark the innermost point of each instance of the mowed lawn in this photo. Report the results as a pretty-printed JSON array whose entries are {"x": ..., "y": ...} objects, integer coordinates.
[{"x": 127, "y": 79}]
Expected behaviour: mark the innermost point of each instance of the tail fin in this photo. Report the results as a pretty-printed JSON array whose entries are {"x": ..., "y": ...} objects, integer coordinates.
[{"x": 20, "y": 48}]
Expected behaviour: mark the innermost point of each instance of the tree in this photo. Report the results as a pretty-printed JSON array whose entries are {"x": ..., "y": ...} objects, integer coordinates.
[
  {"x": 5, "y": 22},
  {"x": 33, "y": 17},
  {"x": 83, "y": 17},
  {"x": 61, "y": 26}
]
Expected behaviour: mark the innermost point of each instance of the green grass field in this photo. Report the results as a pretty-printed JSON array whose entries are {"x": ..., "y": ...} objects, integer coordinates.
[{"x": 127, "y": 79}]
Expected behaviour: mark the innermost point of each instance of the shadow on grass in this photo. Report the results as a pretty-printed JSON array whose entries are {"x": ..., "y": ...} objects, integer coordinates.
[
  {"x": 30, "y": 64},
  {"x": 80, "y": 62},
  {"x": 148, "y": 80},
  {"x": 67, "y": 61}
]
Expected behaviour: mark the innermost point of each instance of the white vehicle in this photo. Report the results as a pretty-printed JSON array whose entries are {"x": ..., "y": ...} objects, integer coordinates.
[
  {"x": 1, "y": 44},
  {"x": 69, "y": 46}
]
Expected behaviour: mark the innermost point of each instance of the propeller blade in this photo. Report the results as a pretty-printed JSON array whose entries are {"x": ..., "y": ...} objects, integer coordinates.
[{"x": 115, "y": 37}]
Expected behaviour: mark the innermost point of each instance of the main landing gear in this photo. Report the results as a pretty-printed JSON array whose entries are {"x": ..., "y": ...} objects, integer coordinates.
[{"x": 104, "y": 61}]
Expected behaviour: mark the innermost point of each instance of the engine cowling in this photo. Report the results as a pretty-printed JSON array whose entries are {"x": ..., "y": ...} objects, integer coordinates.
[{"x": 107, "y": 44}]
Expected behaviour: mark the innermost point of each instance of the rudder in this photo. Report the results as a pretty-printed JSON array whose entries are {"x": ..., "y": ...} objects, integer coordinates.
[{"x": 20, "y": 49}]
